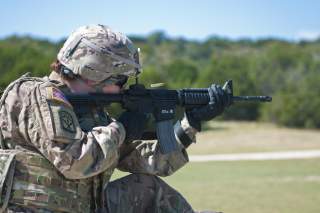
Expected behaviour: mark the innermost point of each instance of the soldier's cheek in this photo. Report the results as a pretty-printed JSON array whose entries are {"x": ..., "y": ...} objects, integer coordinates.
[{"x": 111, "y": 89}]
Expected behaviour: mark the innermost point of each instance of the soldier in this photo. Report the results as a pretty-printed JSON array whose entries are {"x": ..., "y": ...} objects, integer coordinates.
[{"x": 55, "y": 158}]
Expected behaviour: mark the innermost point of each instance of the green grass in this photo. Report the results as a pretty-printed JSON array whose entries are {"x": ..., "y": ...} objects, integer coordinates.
[
  {"x": 283, "y": 186},
  {"x": 255, "y": 186},
  {"x": 289, "y": 186},
  {"x": 240, "y": 137}
]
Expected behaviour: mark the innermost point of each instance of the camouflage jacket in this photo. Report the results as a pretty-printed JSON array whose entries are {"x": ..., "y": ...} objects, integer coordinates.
[{"x": 80, "y": 145}]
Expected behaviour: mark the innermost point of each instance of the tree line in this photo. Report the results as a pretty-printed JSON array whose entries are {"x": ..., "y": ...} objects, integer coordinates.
[{"x": 289, "y": 71}]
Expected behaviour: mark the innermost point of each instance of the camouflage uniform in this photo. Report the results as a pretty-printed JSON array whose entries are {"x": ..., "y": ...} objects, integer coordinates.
[
  {"x": 61, "y": 159},
  {"x": 55, "y": 158}
]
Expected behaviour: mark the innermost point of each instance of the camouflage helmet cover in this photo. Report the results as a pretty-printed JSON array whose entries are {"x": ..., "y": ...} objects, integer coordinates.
[{"x": 96, "y": 52}]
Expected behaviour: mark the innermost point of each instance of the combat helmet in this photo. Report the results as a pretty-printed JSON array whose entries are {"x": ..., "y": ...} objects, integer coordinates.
[{"x": 97, "y": 53}]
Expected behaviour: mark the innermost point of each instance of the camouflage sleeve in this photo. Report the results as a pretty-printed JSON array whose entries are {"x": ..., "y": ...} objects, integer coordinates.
[
  {"x": 147, "y": 158},
  {"x": 50, "y": 124}
]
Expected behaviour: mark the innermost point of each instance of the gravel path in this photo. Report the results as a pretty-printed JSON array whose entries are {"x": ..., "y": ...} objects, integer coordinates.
[{"x": 257, "y": 156}]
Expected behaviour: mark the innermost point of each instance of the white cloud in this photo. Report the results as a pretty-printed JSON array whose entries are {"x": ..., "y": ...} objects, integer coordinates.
[{"x": 308, "y": 35}]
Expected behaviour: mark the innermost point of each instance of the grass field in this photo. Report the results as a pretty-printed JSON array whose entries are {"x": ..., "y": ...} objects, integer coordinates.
[
  {"x": 240, "y": 137},
  {"x": 283, "y": 186},
  {"x": 256, "y": 186}
]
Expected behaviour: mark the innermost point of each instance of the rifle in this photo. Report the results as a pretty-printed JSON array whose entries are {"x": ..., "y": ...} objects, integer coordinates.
[{"x": 159, "y": 102}]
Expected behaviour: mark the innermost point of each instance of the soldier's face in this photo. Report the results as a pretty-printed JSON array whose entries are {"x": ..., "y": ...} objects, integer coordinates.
[
  {"x": 111, "y": 89},
  {"x": 81, "y": 85},
  {"x": 108, "y": 88}
]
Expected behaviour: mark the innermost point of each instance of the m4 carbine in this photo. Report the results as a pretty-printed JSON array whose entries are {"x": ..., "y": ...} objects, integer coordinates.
[{"x": 159, "y": 102}]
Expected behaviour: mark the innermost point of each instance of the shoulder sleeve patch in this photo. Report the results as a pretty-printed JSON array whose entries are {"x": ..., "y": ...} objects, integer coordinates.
[
  {"x": 56, "y": 95},
  {"x": 64, "y": 122}
]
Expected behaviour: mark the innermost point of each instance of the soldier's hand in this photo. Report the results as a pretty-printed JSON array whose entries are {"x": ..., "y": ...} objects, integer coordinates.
[
  {"x": 134, "y": 124},
  {"x": 219, "y": 100}
]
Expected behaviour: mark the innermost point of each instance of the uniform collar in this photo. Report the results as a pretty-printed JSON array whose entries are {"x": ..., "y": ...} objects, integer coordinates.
[{"x": 56, "y": 79}]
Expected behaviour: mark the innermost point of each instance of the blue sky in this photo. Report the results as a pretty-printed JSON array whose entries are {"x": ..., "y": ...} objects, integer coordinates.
[{"x": 193, "y": 19}]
